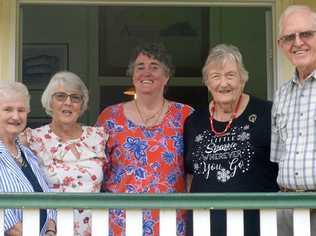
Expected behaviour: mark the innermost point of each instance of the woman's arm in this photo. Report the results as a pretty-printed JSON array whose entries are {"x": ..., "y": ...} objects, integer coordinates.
[
  {"x": 189, "y": 182},
  {"x": 23, "y": 138}
]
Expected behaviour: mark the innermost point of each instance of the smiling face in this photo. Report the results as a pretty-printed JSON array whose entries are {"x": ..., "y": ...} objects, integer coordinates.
[
  {"x": 67, "y": 111},
  {"x": 302, "y": 51},
  {"x": 224, "y": 82},
  {"x": 13, "y": 116},
  {"x": 149, "y": 75}
]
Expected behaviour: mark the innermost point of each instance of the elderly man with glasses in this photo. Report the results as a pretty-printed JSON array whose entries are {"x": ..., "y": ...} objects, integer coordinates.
[{"x": 293, "y": 140}]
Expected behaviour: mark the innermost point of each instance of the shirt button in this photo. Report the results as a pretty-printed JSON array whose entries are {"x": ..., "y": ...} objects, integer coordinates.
[
  {"x": 297, "y": 153},
  {"x": 296, "y": 173},
  {"x": 300, "y": 134},
  {"x": 302, "y": 114}
]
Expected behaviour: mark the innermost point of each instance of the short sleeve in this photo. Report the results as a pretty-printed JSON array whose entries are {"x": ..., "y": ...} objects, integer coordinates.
[
  {"x": 103, "y": 137},
  {"x": 104, "y": 117}
]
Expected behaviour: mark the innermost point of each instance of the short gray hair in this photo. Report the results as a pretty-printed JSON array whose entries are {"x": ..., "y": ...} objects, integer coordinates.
[
  {"x": 218, "y": 56},
  {"x": 294, "y": 8},
  {"x": 12, "y": 90},
  {"x": 71, "y": 82}
]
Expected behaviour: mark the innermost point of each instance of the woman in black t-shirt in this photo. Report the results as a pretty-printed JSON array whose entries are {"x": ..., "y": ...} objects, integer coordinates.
[{"x": 227, "y": 145}]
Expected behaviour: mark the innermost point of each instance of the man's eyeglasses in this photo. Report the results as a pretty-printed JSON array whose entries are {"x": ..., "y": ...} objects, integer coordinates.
[
  {"x": 290, "y": 38},
  {"x": 62, "y": 97}
]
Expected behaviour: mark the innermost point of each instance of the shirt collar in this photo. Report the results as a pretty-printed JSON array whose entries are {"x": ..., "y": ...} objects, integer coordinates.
[{"x": 295, "y": 78}]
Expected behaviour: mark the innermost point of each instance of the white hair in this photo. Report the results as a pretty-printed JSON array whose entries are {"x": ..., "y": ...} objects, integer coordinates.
[
  {"x": 294, "y": 8},
  {"x": 219, "y": 54},
  {"x": 15, "y": 90},
  {"x": 71, "y": 82}
]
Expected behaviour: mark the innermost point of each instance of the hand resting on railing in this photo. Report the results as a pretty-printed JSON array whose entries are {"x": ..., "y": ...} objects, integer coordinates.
[
  {"x": 16, "y": 230},
  {"x": 51, "y": 228}
]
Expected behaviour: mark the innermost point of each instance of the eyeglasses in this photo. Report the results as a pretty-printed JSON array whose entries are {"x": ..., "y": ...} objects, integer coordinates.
[
  {"x": 231, "y": 75},
  {"x": 62, "y": 97},
  {"x": 290, "y": 38}
]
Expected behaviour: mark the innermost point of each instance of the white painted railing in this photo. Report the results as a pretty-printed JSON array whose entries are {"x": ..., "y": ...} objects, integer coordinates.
[{"x": 167, "y": 203}]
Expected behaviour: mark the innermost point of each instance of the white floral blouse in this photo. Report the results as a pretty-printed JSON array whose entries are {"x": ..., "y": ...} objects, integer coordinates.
[{"x": 72, "y": 166}]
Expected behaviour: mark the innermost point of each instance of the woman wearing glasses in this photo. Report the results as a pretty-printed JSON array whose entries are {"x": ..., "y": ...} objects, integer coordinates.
[{"x": 71, "y": 155}]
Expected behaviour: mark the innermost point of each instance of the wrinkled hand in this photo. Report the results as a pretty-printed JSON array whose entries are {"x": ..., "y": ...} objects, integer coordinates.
[
  {"x": 50, "y": 233},
  {"x": 16, "y": 230},
  {"x": 51, "y": 228}
]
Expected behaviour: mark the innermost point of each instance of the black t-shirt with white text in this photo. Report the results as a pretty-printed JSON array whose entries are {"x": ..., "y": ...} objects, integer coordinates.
[{"x": 239, "y": 161}]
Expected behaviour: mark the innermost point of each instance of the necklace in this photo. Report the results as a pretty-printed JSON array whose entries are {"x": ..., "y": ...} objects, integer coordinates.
[
  {"x": 156, "y": 114},
  {"x": 228, "y": 125},
  {"x": 18, "y": 156}
]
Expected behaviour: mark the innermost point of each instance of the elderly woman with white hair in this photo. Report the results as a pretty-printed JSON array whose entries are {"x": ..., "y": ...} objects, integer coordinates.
[
  {"x": 71, "y": 156},
  {"x": 19, "y": 170},
  {"x": 227, "y": 145}
]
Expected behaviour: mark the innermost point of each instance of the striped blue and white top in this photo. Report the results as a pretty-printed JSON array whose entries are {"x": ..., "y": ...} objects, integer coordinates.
[{"x": 13, "y": 180}]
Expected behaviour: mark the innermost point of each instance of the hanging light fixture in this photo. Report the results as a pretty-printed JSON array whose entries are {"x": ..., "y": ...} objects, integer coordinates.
[{"x": 130, "y": 92}]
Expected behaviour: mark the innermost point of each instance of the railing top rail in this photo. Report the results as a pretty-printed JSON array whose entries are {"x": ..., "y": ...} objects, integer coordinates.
[{"x": 170, "y": 200}]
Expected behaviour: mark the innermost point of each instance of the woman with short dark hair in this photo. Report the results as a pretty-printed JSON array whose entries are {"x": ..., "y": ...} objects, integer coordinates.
[{"x": 145, "y": 138}]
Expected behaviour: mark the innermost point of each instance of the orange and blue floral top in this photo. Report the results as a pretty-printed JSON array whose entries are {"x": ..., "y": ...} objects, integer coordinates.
[{"x": 144, "y": 160}]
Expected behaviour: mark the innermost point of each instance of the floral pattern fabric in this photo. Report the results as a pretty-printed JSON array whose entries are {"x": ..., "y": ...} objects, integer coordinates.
[
  {"x": 72, "y": 166},
  {"x": 144, "y": 160}
]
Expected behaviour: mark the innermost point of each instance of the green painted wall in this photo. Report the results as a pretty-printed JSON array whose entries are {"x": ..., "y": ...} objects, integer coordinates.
[{"x": 245, "y": 28}]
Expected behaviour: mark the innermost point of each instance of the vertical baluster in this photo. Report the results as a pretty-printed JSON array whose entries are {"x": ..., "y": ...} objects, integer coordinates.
[
  {"x": 1, "y": 221},
  {"x": 268, "y": 222},
  {"x": 30, "y": 222},
  {"x": 100, "y": 222},
  {"x": 168, "y": 222},
  {"x": 65, "y": 222},
  {"x": 134, "y": 222},
  {"x": 301, "y": 222},
  {"x": 201, "y": 222},
  {"x": 235, "y": 222}
]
